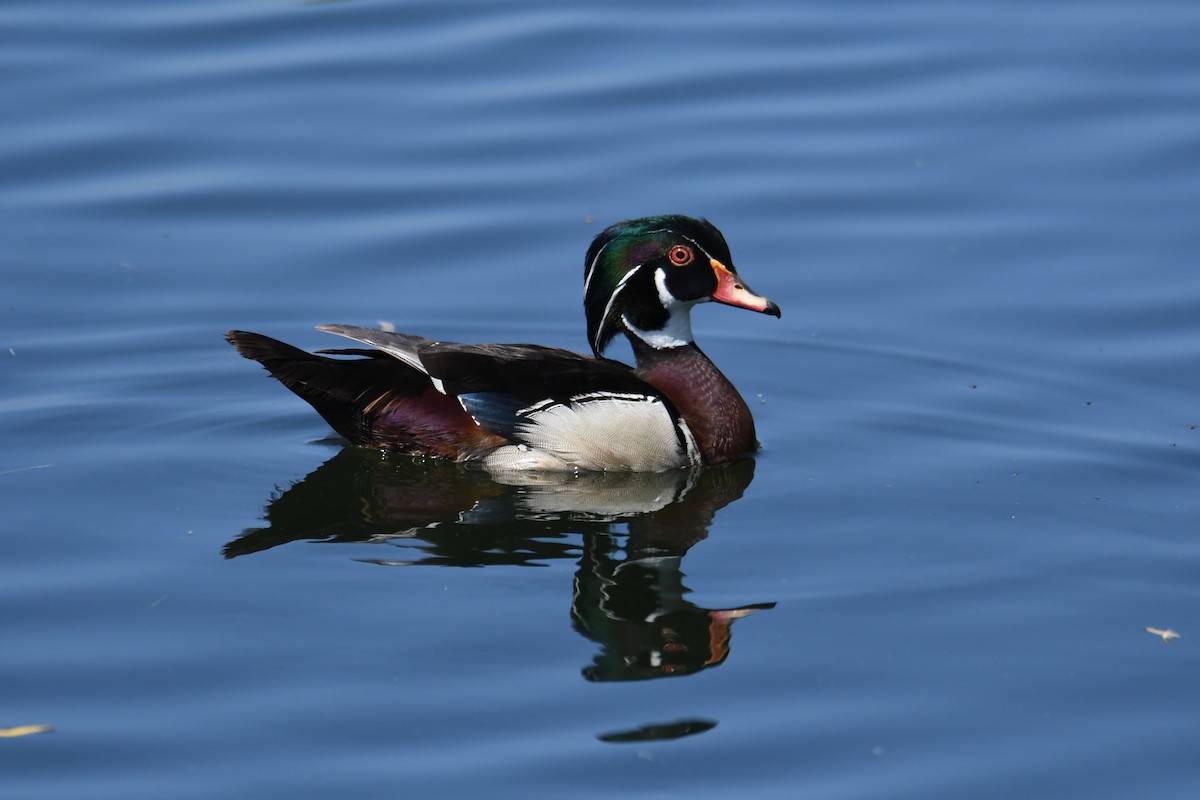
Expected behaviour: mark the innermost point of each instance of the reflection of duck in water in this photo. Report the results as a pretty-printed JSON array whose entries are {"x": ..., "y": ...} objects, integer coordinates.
[
  {"x": 636, "y": 610},
  {"x": 458, "y": 516},
  {"x": 526, "y": 407},
  {"x": 443, "y": 514},
  {"x": 635, "y": 607}
]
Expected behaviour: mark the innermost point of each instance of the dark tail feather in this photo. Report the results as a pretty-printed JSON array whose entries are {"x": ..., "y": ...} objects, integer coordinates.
[{"x": 343, "y": 391}]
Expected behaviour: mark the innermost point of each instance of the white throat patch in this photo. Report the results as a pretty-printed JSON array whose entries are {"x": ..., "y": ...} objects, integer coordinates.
[{"x": 678, "y": 330}]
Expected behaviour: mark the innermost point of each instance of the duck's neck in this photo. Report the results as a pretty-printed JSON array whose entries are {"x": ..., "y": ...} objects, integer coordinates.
[{"x": 715, "y": 412}]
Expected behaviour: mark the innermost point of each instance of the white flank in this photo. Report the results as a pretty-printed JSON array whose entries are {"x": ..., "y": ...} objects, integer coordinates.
[{"x": 597, "y": 431}]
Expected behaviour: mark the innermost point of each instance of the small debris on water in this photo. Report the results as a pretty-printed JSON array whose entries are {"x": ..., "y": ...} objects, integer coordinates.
[
  {"x": 1167, "y": 634},
  {"x": 23, "y": 730}
]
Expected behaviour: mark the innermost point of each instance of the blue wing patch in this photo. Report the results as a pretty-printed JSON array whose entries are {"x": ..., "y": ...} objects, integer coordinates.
[{"x": 494, "y": 411}]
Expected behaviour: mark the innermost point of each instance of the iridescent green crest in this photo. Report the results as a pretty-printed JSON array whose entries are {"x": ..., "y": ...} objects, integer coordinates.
[{"x": 619, "y": 280}]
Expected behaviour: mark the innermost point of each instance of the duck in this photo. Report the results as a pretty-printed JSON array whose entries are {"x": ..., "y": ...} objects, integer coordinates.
[{"x": 529, "y": 408}]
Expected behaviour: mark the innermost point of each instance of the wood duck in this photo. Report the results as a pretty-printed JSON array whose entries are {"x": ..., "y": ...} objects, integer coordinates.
[{"x": 529, "y": 407}]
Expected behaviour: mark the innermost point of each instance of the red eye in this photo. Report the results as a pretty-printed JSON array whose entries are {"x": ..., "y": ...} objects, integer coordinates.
[{"x": 680, "y": 255}]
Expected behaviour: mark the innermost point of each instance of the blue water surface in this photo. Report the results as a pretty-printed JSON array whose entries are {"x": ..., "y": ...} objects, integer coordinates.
[{"x": 979, "y": 411}]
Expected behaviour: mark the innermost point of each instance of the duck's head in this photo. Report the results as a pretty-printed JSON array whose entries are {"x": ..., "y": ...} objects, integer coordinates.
[{"x": 643, "y": 276}]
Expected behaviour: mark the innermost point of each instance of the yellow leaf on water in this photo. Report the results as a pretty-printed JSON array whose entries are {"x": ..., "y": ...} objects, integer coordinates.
[
  {"x": 1167, "y": 635},
  {"x": 23, "y": 730}
]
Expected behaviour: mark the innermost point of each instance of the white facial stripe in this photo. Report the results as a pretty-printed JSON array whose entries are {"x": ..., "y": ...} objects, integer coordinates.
[
  {"x": 664, "y": 294},
  {"x": 678, "y": 330},
  {"x": 611, "y": 299},
  {"x": 592, "y": 268},
  {"x": 668, "y": 300},
  {"x": 698, "y": 247},
  {"x": 681, "y": 235}
]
